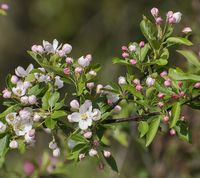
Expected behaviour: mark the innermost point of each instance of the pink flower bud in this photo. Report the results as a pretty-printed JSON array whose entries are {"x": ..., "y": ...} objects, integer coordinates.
[
  {"x": 159, "y": 20},
  {"x": 67, "y": 70},
  {"x": 197, "y": 85},
  {"x": 81, "y": 156},
  {"x": 93, "y": 152},
  {"x": 175, "y": 96},
  {"x": 96, "y": 143},
  {"x": 172, "y": 132},
  {"x": 180, "y": 84},
  {"x": 36, "y": 117},
  {"x": 32, "y": 99},
  {"x": 61, "y": 53},
  {"x": 160, "y": 104},
  {"x": 199, "y": 53},
  {"x": 40, "y": 49},
  {"x": 13, "y": 144},
  {"x": 87, "y": 134},
  {"x": 154, "y": 12},
  {"x": 74, "y": 104},
  {"x": 69, "y": 60},
  {"x": 124, "y": 48},
  {"x": 177, "y": 16},
  {"x": 107, "y": 154},
  {"x": 141, "y": 44},
  {"x": 139, "y": 87},
  {"x": 187, "y": 30},
  {"x": 28, "y": 168},
  {"x": 166, "y": 119},
  {"x": 182, "y": 94},
  {"x": 132, "y": 48},
  {"x": 167, "y": 83},
  {"x": 136, "y": 81},
  {"x": 34, "y": 48},
  {"x": 125, "y": 55},
  {"x": 89, "y": 57},
  {"x": 101, "y": 166},
  {"x": 24, "y": 100},
  {"x": 133, "y": 61},
  {"x": 90, "y": 85},
  {"x": 67, "y": 48},
  {"x": 14, "y": 79},
  {"x": 78, "y": 70},
  {"x": 117, "y": 109},
  {"x": 31, "y": 133},
  {"x": 172, "y": 20},
  {"x": 163, "y": 74},
  {"x": 161, "y": 95},
  {"x": 7, "y": 93},
  {"x": 4, "y": 6},
  {"x": 169, "y": 14}
]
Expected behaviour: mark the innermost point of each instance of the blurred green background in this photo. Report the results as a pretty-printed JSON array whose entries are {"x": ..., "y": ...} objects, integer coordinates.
[{"x": 101, "y": 27}]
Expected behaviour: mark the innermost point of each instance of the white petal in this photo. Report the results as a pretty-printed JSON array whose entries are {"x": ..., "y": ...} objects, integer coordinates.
[
  {"x": 20, "y": 72},
  {"x": 89, "y": 122},
  {"x": 75, "y": 117},
  {"x": 29, "y": 68},
  {"x": 55, "y": 44},
  {"x": 96, "y": 114},
  {"x": 83, "y": 124},
  {"x": 84, "y": 108}
]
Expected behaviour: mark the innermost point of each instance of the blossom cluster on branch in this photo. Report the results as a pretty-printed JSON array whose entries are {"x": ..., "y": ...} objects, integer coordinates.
[{"x": 37, "y": 98}]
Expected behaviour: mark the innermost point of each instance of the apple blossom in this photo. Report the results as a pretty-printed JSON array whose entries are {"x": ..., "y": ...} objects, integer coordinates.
[
  {"x": 139, "y": 87},
  {"x": 187, "y": 30},
  {"x": 121, "y": 80},
  {"x": 167, "y": 83},
  {"x": 2, "y": 127},
  {"x": 81, "y": 156},
  {"x": 141, "y": 44},
  {"x": 160, "y": 104},
  {"x": 53, "y": 145},
  {"x": 177, "y": 16},
  {"x": 106, "y": 153},
  {"x": 117, "y": 108},
  {"x": 83, "y": 61},
  {"x": 125, "y": 55},
  {"x": 21, "y": 72},
  {"x": 78, "y": 70},
  {"x": 89, "y": 57},
  {"x": 154, "y": 12},
  {"x": 67, "y": 48},
  {"x": 56, "y": 152},
  {"x": 92, "y": 152},
  {"x": 90, "y": 85},
  {"x": 172, "y": 132},
  {"x": 36, "y": 117},
  {"x": 14, "y": 79},
  {"x": 166, "y": 119},
  {"x": 136, "y": 81},
  {"x": 6, "y": 93},
  {"x": 11, "y": 118},
  {"x": 161, "y": 95},
  {"x": 133, "y": 61},
  {"x": 32, "y": 99},
  {"x": 150, "y": 81},
  {"x": 4, "y": 6},
  {"x": 197, "y": 85},
  {"x": 28, "y": 168},
  {"x": 13, "y": 144},
  {"x": 87, "y": 134},
  {"x": 24, "y": 99},
  {"x": 93, "y": 73},
  {"x": 159, "y": 20},
  {"x": 124, "y": 48},
  {"x": 58, "y": 82},
  {"x": 163, "y": 74},
  {"x": 67, "y": 70},
  {"x": 51, "y": 48},
  {"x": 69, "y": 60},
  {"x": 132, "y": 48}
]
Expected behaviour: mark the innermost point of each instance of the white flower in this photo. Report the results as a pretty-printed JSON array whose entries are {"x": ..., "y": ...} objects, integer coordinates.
[
  {"x": 21, "y": 72},
  {"x": 150, "y": 81},
  {"x": 26, "y": 84},
  {"x": 98, "y": 89},
  {"x": 20, "y": 89},
  {"x": 13, "y": 144},
  {"x": 56, "y": 152},
  {"x": 51, "y": 48},
  {"x": 93, "y": 73},
  {"x": 11, "y": 118},
  {"x": 53, "y": 145},
  {"x": 85, "y": 116},
  {"x": 24, "y": 99},
  {"x": 2, "y": 127},
  {"x": 7, "y": 93},
  {"x": 26, "y": 113},
  {"x": 58, "y": 82},
  {"x": 32, "y": 99},
  {"x": 121, "y": 80},
  {"x": 74, "y": 105},
  {"x": 132, "y": 48},
  {"x": 67, "y": 48},
  {"x": 107, "y": 154},
  {"x": 30, "y": 136},
  {"x": 177, "y": 17},
  {"x": 21, "y": 127},
  {"x": 36, "y": 117},
  {"x": 14, "y": 79},
  {"x": 83, "y": 61},
  {"x": 187, "y": 30},
  {"x": 93, "y": 152},
  {"x": 42, "y": 77},
  {"x": 90, "y": 85}
]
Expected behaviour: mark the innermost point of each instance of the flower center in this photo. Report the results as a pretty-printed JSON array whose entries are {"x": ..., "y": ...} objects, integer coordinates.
[{"x": 84, "y": 116}]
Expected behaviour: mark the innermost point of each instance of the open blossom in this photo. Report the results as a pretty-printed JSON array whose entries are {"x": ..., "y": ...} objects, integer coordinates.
[
  {"x": 26, "y": 113},
  {"x": 85, "y": 116},
  {"x": 58, "y": 82},
  {"x": 51, "y": 48},
  {"x": 21, "y": 72},
  {"x": 11, "y": 118},
  {"x": 132, "y": 48},
  {"x": 84, "y": 61},
  {"x": 2, "y": 127},
  {"x": 21, "y": 127}
]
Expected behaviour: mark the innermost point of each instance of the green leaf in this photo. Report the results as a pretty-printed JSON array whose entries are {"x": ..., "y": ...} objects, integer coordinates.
[
  {"x": 50, "y": 123},
  {"x": 177, "y": 74},
  {"x": 161, "y": 62},
  {"x": 9, "y": 110},
  {"x": 22, "y": 146},
  {"x": 144, "y": 52},
  {"x": 35, "y": 90},
  {"x": 112, "y": 163},
  {"x": 4, "y": 145},
  {"x": 132, "y": 90},
  {"x": 53, "y": 99},
  {"x": 30, "y": 77},
  {"x": 153, "y": 128},
  {"x": 143, "y": 128},
  {"x": 190, "y": 56},
  {"x": 183, "y": 131},
  {"x": 120, "y": 61},
  {"x": 179, "y": 40},
  {"x": 58, "y": 114},
  {"x": 45, "y": 100},
  {"x": 176, "y": 111}
]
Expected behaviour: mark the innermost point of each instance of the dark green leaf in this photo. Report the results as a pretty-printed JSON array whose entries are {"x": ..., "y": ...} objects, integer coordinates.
[
  {"x": 176, "y": 111},
  {"x": 112, "y": 163}
]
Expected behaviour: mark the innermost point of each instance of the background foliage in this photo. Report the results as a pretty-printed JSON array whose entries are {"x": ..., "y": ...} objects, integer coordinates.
[{"x": 101, "y": 28}]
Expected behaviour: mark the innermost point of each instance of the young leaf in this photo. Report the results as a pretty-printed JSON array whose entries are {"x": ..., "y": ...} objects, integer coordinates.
[
  {"x": 120, "y": 61},
  {"x": 143, "y": 128},
  {"x": 58, "y": 114},
  {"x": 179, "y": 40},
  {"x": 9, "y": 110},
  {"x": 45, "y": 100},
  {"x": 132, "y": 90},
  {"x": 50, "y": 123},
  {"x": 53, "y": 99},
  {"x": 176, "y": 111},
  {"x": 112, "y": 163},
  {"x": 190, "y": 56},
  {"x": 153, "y": 128},
  {"x": 3, "y": 145}
]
